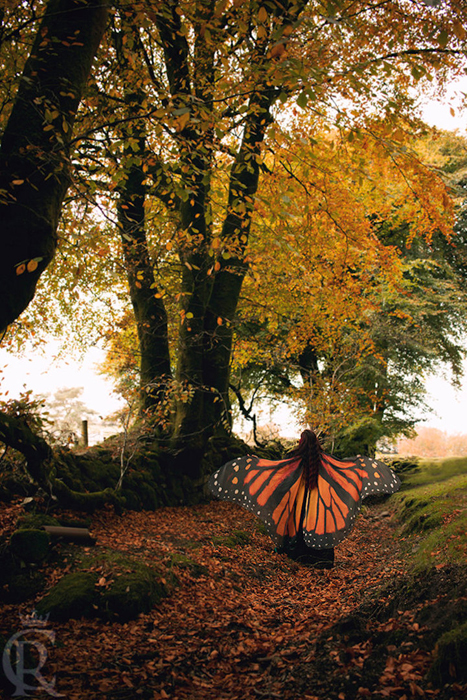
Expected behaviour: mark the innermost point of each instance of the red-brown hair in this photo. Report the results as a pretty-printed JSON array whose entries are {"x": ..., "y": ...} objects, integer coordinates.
[{"x": 309, "y": 450}]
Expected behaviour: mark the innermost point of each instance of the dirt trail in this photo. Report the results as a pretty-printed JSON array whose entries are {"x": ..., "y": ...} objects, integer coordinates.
[{"x": 243, "y": 622}]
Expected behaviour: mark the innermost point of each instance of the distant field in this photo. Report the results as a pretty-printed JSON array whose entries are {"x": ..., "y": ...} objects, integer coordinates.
[{"x": 433, "y": 443}]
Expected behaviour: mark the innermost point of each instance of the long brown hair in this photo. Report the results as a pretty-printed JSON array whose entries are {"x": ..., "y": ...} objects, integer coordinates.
[{"x": 309, "y": 450}]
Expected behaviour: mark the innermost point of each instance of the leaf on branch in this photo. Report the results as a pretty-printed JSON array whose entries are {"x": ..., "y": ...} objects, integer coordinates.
[
  {"x": 277, "y": 50},
  {"x": 302, "y": 100},
  {"x": 29, "y": 265},
  {"x": 182, "y": 121},
  {"x": 32, "y": 265},
  {"x": 442, "y": 38}
]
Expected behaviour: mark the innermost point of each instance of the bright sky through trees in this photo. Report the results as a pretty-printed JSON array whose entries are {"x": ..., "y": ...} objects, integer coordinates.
[{"x": 438, "y": 112}]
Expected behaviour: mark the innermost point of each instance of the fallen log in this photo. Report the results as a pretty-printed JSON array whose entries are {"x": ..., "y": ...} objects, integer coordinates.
[{"x": 80, "y": 535}]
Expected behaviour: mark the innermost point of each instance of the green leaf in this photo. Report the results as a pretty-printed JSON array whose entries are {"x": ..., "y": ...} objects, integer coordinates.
[
  {"x": 443, "y": 38},
  {"x": 302, "y": 100}
]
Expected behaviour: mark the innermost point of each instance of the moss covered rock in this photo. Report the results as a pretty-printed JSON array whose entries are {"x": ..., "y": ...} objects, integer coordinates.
[
  {"x": 75, "y": 595},
  {"x": 30, "y": 545},
  {"x": 121, "y": 590},
  {"x": 132, "y": 593},
  {"x": 450, "y": 657},
  {"x": 18, "y": 583},
  {"x": 35, "y": 521},
  {"x": 221, "y": 449}
]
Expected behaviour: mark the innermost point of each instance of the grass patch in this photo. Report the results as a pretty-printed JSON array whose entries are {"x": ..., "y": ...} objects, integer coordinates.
[
  {"x": 436, "y": 470},
  {"x": 432, "y": 509},
  {"x": 444, "y": 545},
  {"x": 237, "y": 538}
]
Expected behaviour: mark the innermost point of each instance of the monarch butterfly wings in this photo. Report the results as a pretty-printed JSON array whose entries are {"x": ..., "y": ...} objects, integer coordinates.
[
  {"x": 277, "y": 492},
  {"x": 332, "y": 507},
  {"x": 272, "y": 490},
  {"x": 379, "y": 477}
]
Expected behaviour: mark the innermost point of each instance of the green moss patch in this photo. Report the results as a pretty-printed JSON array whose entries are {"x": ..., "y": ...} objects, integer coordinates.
[
  {"x": 30, "y": 545},
  {"x": 443, "y": 545},
  {"x": 450, "y": 657},
  {"x": 116, "y": 588},
  {"x": 35, "y": 521},
  {"x": 403, "y": 466},
  {"x": 237, "y": 538},
  {"x": 74, "y": 596},
  {"x": 181, "y": 561},
  {"x": 132, "y": 593}
]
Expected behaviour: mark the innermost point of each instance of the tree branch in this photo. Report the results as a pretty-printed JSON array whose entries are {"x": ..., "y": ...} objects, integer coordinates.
[
  {"x": 16, "y": 433},
  {"x": 246, "y": 413}
]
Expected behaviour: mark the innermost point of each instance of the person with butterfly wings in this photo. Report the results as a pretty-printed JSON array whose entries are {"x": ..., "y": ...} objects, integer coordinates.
[{"x": 308, "y": 501}]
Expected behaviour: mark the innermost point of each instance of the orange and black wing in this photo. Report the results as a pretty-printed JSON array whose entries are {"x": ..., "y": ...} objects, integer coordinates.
[
  {"x": 331, "y": 507},
  {"x": 276, "y": 491},
  {"x": 272, "y": 490}
]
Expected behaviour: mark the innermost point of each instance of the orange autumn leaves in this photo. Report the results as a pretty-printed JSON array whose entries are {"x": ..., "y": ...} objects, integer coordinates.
[{"x": 319, "y": 272}]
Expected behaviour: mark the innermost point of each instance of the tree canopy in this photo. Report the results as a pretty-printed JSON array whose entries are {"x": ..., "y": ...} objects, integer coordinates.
[{"x": 246, "y": 167}]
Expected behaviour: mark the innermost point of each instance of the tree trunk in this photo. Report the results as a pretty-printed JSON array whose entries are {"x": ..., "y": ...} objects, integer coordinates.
[
  {"x": 211, "y": 283},
  {"x": 208, "y": 413},
  {"x": 149, "y": 309},
  {"x": 34, "y": 154},
  {"x": 211, "y": 287},
  {"x": 192, "y": 96}
]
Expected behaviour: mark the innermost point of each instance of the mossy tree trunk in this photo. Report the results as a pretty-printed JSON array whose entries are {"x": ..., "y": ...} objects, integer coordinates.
[{"x": 205, "y": 345}]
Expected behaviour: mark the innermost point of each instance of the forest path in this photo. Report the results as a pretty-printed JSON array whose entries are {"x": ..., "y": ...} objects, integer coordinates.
[{"x": 243, "y": 622}]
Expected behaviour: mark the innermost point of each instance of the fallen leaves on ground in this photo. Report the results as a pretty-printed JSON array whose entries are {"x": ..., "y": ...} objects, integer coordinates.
[{"x": 243, "y": 621}]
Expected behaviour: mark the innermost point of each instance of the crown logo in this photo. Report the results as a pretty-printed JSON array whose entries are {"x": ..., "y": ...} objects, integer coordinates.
[{"x": 34, "y": 620}]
